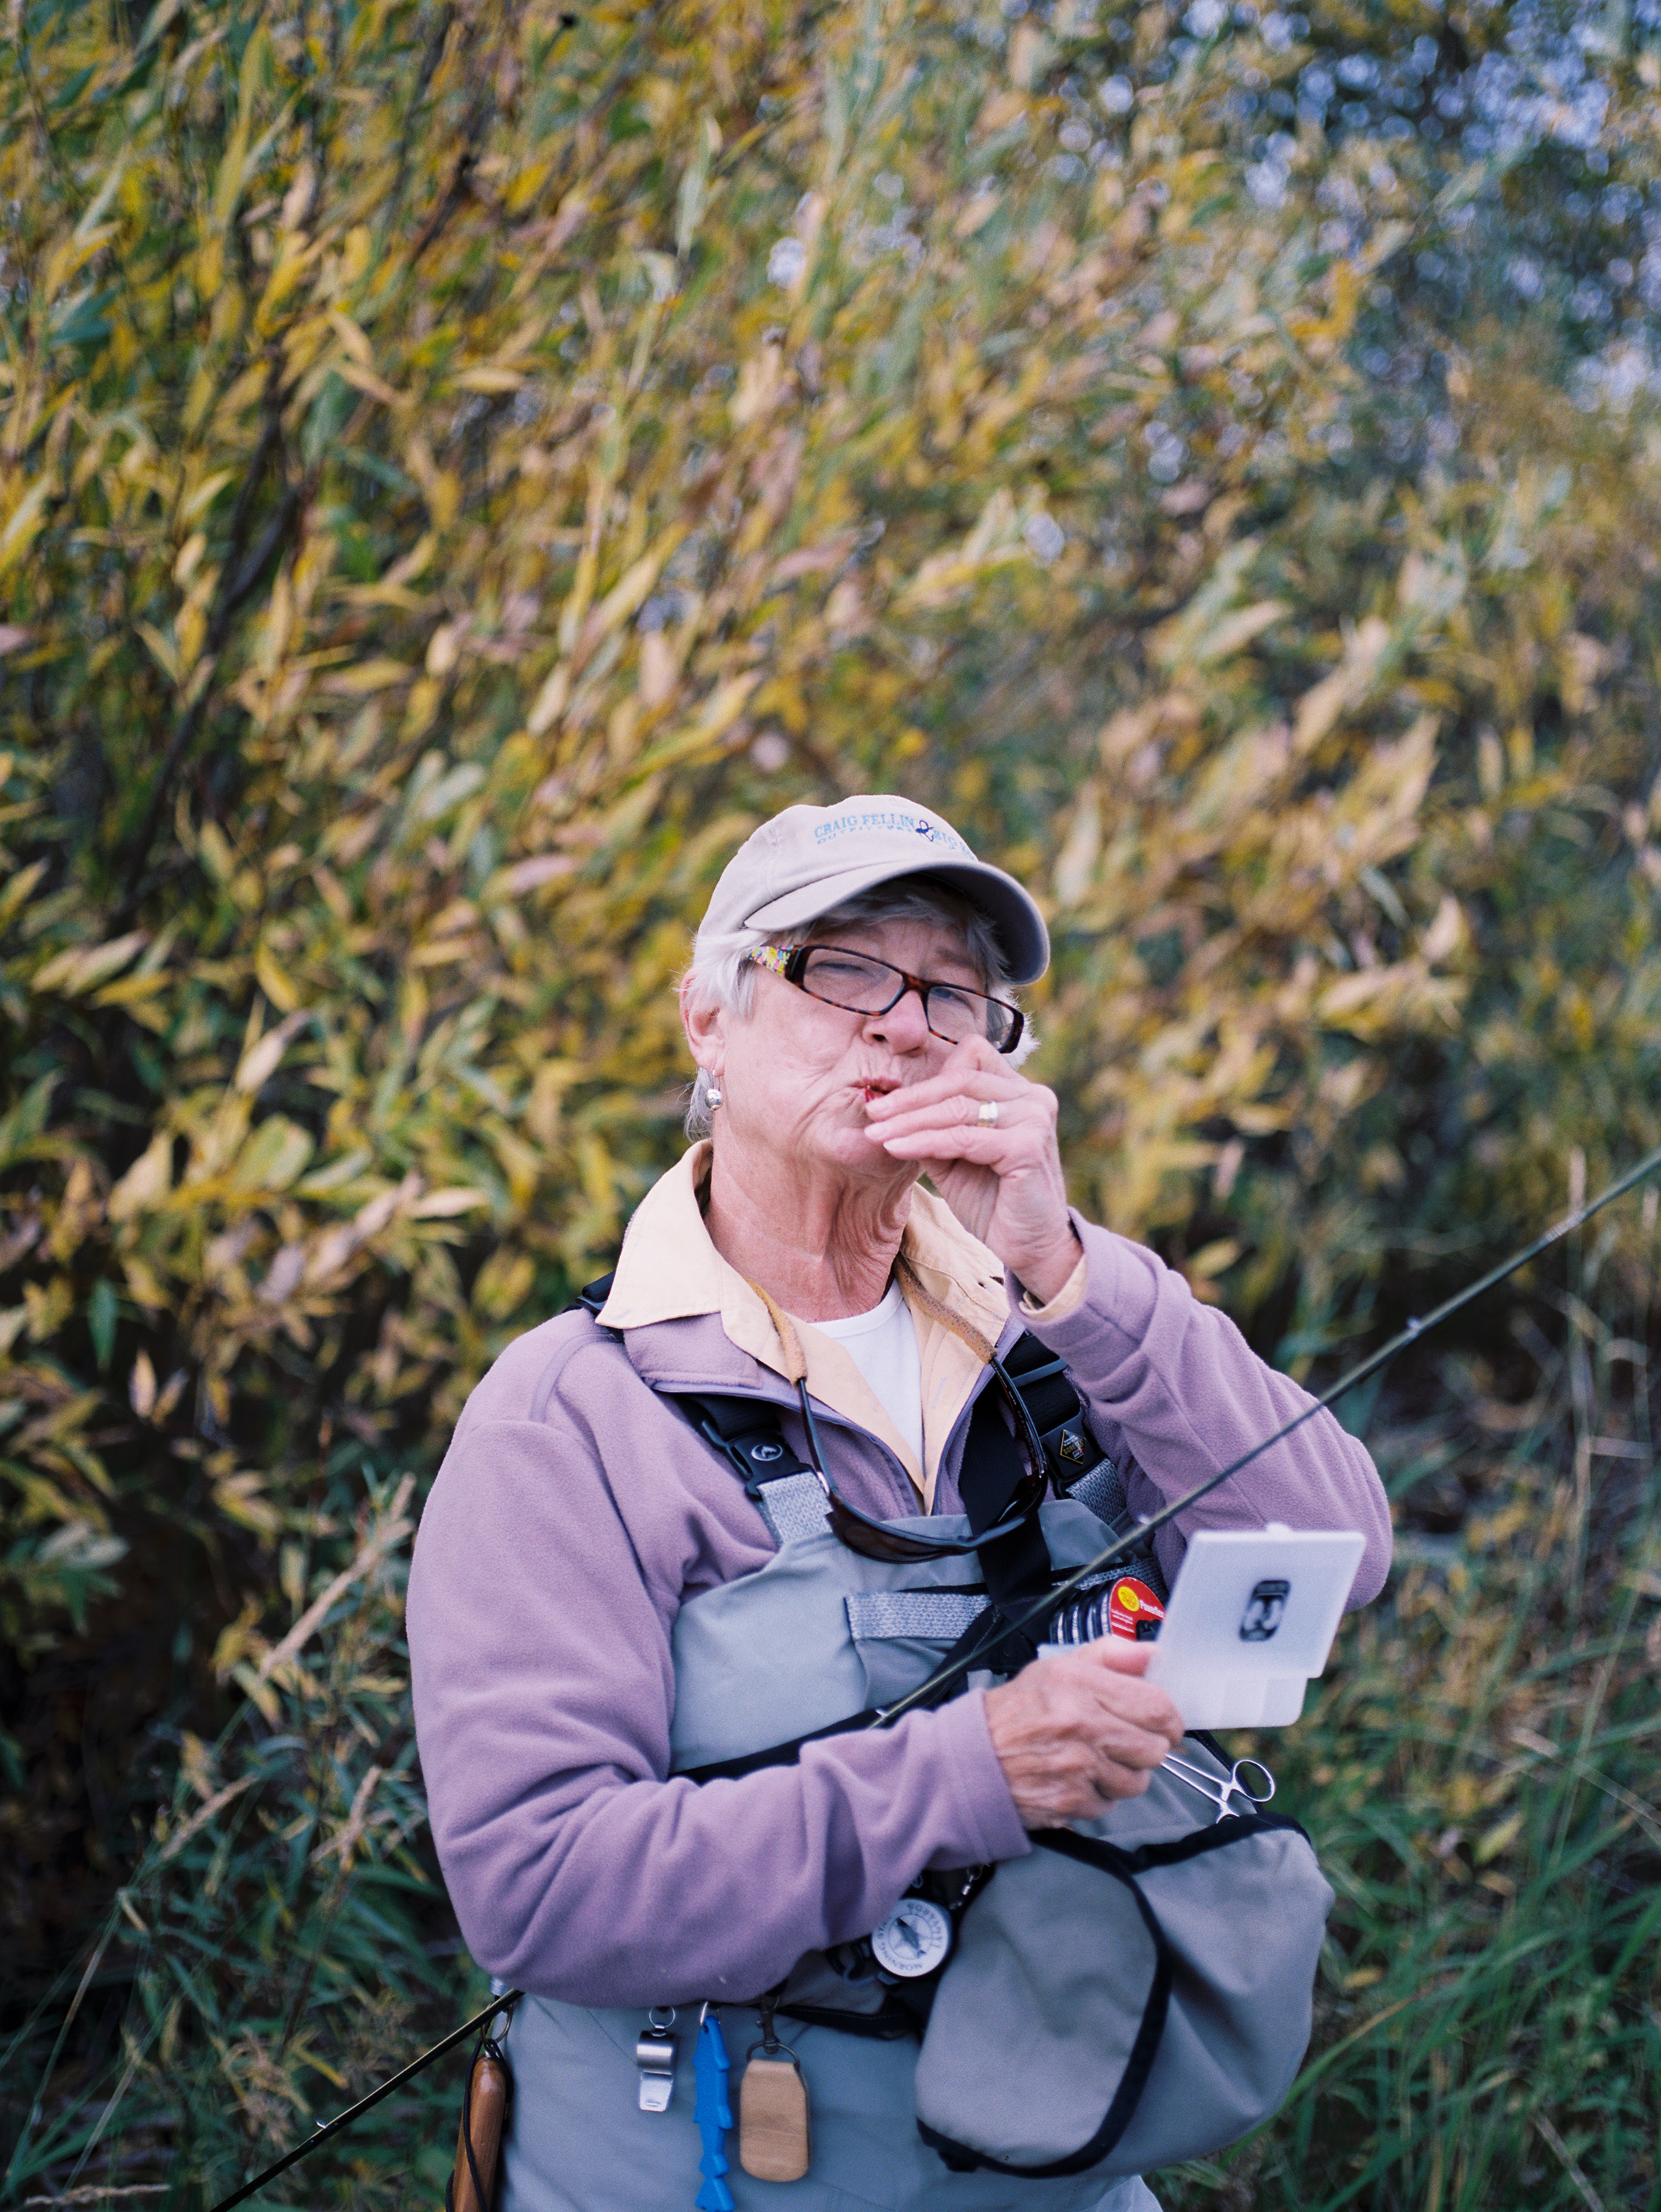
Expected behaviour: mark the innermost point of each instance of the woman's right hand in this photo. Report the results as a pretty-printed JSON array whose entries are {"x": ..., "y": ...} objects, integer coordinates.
[{"x": 1075, "y": 1733}]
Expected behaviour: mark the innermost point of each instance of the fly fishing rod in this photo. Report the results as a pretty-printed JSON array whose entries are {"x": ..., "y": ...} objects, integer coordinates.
[{"x": 954, "y": 1670}]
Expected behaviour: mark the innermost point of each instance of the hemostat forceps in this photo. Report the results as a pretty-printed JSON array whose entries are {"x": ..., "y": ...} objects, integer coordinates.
[{"x": 1221, "y": 1788}]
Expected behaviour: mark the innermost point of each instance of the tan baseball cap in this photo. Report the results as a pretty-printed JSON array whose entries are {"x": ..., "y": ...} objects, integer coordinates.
[{"x": 810, "y": 858}]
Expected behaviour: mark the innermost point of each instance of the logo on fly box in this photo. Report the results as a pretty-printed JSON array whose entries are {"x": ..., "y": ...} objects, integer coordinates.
[{"x": 1265, "y": 1610}]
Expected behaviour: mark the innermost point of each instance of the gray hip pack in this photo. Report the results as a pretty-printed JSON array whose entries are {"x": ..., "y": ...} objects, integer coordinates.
[{"x": 1135, "y": 1991}]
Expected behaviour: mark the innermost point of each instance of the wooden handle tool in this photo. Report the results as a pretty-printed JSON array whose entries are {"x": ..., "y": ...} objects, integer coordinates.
[{"x": 483, "y": 2113}]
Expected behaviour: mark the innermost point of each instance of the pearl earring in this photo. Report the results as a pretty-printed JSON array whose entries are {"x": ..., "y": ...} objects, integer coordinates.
[{"x": 712, "y": 1096}]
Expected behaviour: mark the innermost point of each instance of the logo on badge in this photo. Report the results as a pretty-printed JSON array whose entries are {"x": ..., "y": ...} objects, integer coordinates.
[
  {"x": 1265, "y": 1609},
  {"x": 766, "y": 1452},
  {"x": 1133, "y": 1610}
]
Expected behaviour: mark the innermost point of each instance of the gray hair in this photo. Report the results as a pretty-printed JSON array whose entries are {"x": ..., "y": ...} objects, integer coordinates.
[{"x": 722, "y": 974}]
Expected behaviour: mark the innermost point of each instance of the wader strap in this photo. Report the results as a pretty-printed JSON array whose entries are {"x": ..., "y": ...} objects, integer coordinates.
[
  {"x": 1077, "y": 1464},
  {"x": 935, "y": 1616},
  {"x": 1043, "y": 1381},
  {"x": 1103, "y": 1490},
  {"x": 747, "y": 1430},
  {"x": 776, "y": 1754},
  {"x": 1016, "y": 1566}
]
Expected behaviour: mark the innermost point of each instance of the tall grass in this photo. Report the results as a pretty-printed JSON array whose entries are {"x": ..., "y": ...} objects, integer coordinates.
[
  {"x": 1477, "y": 1770},
  {"x": 1479, "y": 1774},
  {"x": 283, "y": 1942}
]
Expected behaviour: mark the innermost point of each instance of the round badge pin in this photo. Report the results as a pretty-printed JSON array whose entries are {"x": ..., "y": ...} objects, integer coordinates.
[
  {"x": 914, "y": 1939},
  {"x": 1132, "y": 1610}
]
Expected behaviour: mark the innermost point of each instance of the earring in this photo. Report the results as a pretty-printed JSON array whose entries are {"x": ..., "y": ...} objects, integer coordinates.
[{"x": 712, "y": 1096}]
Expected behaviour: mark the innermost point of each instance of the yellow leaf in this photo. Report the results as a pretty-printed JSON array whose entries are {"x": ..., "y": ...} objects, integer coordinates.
[
  {"x": 16, "y": 892},
  {"x": 274, "y": 980},
  {"x": 274, "y": 1155},
  {"x": 240, "y": 1498},
  {"x": 141, "y": 1385},
  {"x": 528, "y": 876},
  {"x": 1213, "y": 1259},
  {"x": 1500, "y": 1837},
  {"x": 261, "y": 1694},
  {"x": 550, "y": 703},
  {"x": 366, "y": 380},
  {"x": 367, "y": 675},
  {"x": 488, "y": 379},
  {"x": 206, "y": 493},
  {"x": 146, "y": 1182},
  {"x": 163, "y": 651},
  {"x": 441, "y": 1205},
  {"x": 25, "y": 519},
  {"x": 86, "y": 966},
  {"x": 725, "y": 704},
  {"x": 261, "y": 1061}
]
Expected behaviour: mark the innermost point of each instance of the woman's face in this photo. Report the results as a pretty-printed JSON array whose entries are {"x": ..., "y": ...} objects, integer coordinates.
[{"x": 796, "y": 1075}]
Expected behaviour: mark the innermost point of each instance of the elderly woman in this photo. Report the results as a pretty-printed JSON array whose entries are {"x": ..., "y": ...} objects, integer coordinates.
[{"x": 582, "y": 1679}]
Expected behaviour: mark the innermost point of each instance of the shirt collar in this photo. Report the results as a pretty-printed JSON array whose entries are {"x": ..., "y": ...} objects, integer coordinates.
[{"x": 670, "y": 1270}]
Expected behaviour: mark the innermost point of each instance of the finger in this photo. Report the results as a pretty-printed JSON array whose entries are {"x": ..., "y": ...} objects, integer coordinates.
[
  {"x": 965, "y": 1070},
  {"x": 1082, "y": 1662},
  {"x": 972, "y": 1084},
  {"x": 1112, "y": 1713},
  {"x": 1090, "y": 1791},
  {"x": 1143, "y": 1707},
  {"x": 1032, "y": 1129},
  {"x": 959, "y": 1140},
  {"x": 962, "y": 1110},
  {"x": 1117, "y": 1654},
  {"x": 1138, "y": 1710},
  {"x": 1106, "y": 1694}
]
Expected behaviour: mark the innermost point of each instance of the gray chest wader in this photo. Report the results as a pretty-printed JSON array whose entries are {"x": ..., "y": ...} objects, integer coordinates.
[{"x": 821, "y": 1637}]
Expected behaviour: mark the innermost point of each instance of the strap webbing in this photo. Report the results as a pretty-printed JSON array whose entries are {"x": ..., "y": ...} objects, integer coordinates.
[
  {"x": 748, "y": 1430},
  {"x": 936, "y": 1616}
]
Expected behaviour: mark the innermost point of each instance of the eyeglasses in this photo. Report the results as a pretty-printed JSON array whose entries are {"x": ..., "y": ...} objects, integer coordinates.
[
  {"x": 860, "y": 985},
  {"x": 880, "y": 1540}
]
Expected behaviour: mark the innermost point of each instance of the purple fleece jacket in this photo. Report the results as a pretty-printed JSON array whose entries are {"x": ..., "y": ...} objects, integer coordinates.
[{"x": 576, "y": 1510}]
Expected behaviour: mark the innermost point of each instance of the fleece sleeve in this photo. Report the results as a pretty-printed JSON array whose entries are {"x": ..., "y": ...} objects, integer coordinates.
[
  {"x": 1173, "y": 1393},
  {"x": 540, "y": 1610}
]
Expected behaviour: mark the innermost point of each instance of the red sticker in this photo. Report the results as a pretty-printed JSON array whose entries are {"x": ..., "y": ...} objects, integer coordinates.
[{"x": 1132, "y": 1610}]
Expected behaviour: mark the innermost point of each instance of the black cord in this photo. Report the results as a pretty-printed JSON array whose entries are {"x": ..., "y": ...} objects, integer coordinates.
[{"x": 502, "y": 2004}]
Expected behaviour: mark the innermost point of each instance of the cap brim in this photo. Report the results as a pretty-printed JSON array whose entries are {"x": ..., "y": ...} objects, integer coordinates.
[{"x": 1011, "y": 909}]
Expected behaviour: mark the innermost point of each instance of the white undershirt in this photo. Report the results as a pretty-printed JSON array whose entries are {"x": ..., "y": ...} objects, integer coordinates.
[{"x": 883, "y": 1345}]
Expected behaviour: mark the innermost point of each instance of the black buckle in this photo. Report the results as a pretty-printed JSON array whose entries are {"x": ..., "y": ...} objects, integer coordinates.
[{"x": 759, "y": 1455}]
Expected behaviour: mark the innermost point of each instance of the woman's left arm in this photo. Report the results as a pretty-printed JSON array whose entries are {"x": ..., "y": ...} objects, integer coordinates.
[
  {"x": 1168, "y": 1382},
  {"x": 1172, "y": 1386}
]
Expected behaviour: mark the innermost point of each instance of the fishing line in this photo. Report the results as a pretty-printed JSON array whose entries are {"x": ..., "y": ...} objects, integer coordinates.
[
  {"x": 956, "y": 1668},
  {"x": 1041, "y": 1609}
]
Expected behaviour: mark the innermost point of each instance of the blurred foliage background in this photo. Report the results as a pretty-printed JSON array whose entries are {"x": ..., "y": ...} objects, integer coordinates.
[{"x": 461, "y": 465}]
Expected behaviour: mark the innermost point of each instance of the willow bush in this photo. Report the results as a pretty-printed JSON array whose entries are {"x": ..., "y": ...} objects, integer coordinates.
[{"x": 464, "y": 465}]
